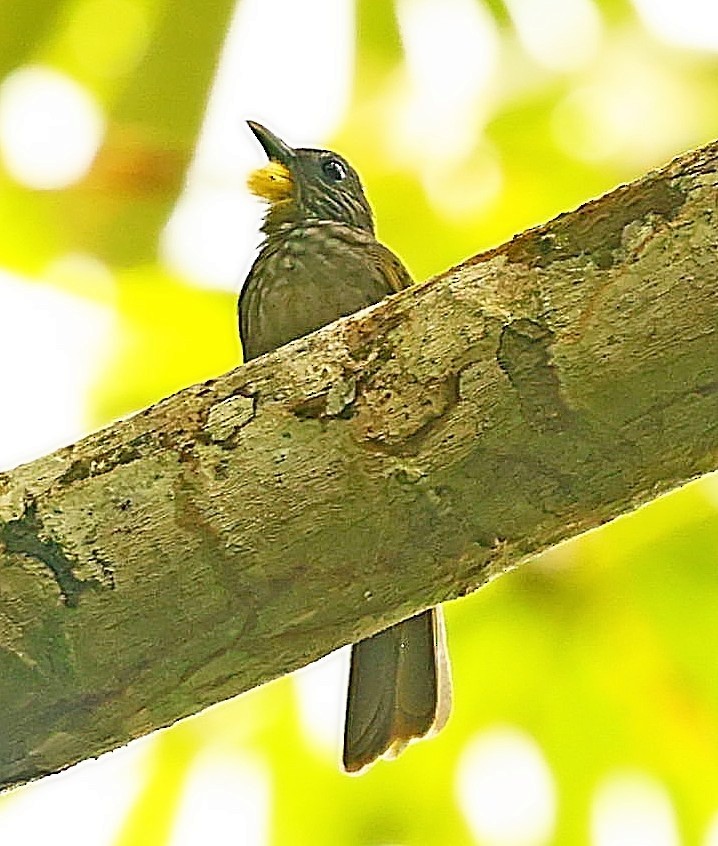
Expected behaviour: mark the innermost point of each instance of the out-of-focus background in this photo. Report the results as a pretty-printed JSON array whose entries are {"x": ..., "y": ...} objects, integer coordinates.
[{"x": 586, "y": 685}]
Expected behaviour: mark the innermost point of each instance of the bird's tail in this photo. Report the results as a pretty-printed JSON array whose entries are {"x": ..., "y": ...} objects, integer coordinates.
[{"x": 399, "y": 689}]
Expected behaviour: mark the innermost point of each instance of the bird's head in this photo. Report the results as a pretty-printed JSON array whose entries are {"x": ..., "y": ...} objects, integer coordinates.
[{"x": 307, "y": 184}]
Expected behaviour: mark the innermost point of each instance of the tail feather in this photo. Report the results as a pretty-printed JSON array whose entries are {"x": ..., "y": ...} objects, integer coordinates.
[{"x": 399, "y": 689}]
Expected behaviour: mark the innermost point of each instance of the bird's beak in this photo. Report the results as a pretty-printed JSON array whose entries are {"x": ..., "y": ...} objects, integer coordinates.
[{"x": 274, "y": 147}]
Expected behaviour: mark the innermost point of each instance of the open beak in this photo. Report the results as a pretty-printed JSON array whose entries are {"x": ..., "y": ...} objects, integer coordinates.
[{"x": 274, "y": 147}]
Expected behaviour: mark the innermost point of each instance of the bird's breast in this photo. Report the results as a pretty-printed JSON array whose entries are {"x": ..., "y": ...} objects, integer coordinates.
[{"x": 305, "y": 279}]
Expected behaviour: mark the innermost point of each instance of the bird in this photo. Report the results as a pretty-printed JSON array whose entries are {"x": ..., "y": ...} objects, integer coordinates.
[{"x": 319, "y": 260}]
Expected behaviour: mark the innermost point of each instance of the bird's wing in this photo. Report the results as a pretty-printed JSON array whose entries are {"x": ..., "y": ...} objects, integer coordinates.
[{"x": 391, "y": 267}]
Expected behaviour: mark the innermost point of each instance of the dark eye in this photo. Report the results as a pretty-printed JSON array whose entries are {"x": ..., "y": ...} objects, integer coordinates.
[{"x": 334, "y": 170}]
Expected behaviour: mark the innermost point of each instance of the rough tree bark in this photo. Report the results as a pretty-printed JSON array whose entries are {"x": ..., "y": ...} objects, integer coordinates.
[{"x": 244, "y": 527}]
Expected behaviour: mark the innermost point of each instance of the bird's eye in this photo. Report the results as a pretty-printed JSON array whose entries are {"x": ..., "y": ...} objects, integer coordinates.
[{"x": 334, "y": 170}]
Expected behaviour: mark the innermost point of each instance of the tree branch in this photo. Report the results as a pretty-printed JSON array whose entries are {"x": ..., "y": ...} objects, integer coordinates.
[{"x": 244, "y": 527}]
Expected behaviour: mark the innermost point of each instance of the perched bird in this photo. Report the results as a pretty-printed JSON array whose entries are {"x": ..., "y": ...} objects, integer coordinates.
[{"x": 319, "y": 261}]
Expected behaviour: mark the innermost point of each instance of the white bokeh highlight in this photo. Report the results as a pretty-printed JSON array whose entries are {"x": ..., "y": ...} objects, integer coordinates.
[
  {"x": 82, "y": 274},
  {"x": 690, "y": 23},
  {"x": 631, "y": 110},
  {"x": 451, "y": 51},
  {"x": 51, "y": 127},
  {"x": 52, "y": 346},
  {"x": 214, "y": 228},
  {"x": 632, "y": 809},
  {"x": 506, "y": 789},
  {"x": 321, "y": 693},
  {"x": 226, "y": 800},
  {"x": 84, "y": 806},
  {"x": 560, "y": 36},
  {"x": 711, "y": 836},
  {"x": 451, "y": 48}
]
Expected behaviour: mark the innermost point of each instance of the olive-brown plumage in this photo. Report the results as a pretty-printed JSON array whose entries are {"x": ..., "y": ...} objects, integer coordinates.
[{"x": 319, "y": 261}]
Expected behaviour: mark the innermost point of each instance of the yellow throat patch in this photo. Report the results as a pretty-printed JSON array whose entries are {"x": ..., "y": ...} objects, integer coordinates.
[{"x": 273, "y": 183}]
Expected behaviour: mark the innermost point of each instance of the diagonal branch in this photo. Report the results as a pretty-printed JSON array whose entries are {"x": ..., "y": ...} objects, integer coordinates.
[{"x": 244, "y": 527}]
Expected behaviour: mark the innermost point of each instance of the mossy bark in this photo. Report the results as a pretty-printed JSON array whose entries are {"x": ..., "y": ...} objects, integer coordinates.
[{"x": 398, "y": 458}]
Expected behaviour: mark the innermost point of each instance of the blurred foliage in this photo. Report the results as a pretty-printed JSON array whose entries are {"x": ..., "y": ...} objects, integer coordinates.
[
  {"x": 602, "y": 650},
  {"x": 128, "y": 53}
]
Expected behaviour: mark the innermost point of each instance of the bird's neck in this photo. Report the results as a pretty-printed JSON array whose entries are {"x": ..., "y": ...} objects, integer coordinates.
[
  {"x": 285, "y": 215},
  {"x": 279, "y": 216},
  {"x": 278, "y": 230}
]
